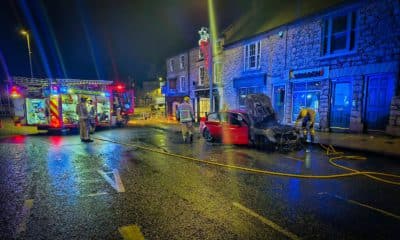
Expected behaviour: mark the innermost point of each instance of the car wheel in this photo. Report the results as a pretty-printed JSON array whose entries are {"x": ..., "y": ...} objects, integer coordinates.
[{"x": 207, "y": 135}]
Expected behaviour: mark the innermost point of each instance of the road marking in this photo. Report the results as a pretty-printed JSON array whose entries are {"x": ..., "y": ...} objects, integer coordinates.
[
  {"x": 26, "y": 210},
  {"x": 294, "y": 158},
  {"x": 117, "y": 184},
  {"x": 131, "y": 232},
  {"x": 363, "y": 205},
  {"x": 266, "y": 221},
  {"x": 97, "y": 194}
]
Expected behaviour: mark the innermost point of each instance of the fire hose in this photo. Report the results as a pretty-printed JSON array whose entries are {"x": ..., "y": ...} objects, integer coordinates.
[{"x": 330, "y": 150}]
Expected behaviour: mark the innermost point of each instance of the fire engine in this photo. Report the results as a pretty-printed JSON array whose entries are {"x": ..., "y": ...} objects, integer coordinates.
[{"x": 51, "y": 103}]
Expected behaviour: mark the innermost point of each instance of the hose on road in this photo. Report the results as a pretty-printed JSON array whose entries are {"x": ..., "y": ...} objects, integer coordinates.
[{"x": 329, "y": 151}]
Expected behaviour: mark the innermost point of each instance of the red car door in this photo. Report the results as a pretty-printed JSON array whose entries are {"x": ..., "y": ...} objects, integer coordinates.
[{"x": 235, "y": 130}]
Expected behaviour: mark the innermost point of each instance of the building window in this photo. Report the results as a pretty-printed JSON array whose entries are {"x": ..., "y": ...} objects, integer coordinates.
[
  {"x": 201, "y": 55},
  {"x": 339, "y": 33},
  {"x": 217, "y": 72},
  {"x": 171, "y": 65},
  {"x": 252, "y": 53},
  {"x": 201, "y": 76},
  {"x": 182, "y": 84},
  {"x": 306, "y": 95},
  {"x": 244, "y": 91},
  {"x": 182, "y": 61},
  {"x": 172, "y": 85}
]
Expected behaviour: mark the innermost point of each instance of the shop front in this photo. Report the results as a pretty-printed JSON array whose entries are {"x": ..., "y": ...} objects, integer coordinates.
[
  {"x": 202, "y": 102},
  {"x": 309, "y": 89}
]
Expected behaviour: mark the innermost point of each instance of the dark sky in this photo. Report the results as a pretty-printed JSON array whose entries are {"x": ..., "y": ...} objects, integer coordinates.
[{"x": 103, "y": 39}]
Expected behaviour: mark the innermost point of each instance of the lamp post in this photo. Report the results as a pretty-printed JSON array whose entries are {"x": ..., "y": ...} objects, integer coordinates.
[{"x": 26, "y": 34}]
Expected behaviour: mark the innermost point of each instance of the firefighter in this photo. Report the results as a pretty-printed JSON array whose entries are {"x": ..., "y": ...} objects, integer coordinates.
[
  {"x": 82, "y": 111},
  {"x": 307, "y": 118},
  {"x": 186, "y": 117},
  {"x": 92, "y": 116}
]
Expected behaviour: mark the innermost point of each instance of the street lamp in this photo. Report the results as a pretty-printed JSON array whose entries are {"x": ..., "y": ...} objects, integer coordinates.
[{"x": 26, "y": 34}]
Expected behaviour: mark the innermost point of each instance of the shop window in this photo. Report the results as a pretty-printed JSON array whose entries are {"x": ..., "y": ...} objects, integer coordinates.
[
  {"x": 252, "y": 53},
  {"x": 244, "y": 91},
  {"x": 339, "y": 33},
  {"x": 306, "y": 95}
]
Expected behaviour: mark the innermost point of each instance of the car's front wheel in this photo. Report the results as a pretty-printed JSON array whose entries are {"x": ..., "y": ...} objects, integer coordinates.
[{"x": 207, "y": 135}]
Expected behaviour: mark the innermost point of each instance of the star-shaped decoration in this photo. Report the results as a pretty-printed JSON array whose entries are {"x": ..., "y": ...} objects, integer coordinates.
[{"x": 204, "y": 33}]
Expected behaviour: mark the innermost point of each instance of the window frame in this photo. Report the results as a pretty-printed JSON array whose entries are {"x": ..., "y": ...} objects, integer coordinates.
[
  {"x": 201, "y": 79},
  {"x": 182, "y": 84},
  {"x": 182, "y": 61},
  {"x": 215, "y": 72},
  {"x": 171, "y": 65},
  {"x": 247, "y": 56},
  {"x": 352, "y": 31}
]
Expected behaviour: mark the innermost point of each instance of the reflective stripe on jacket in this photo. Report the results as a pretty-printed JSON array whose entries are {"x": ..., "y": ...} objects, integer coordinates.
[{"x": 185, "y": 112}]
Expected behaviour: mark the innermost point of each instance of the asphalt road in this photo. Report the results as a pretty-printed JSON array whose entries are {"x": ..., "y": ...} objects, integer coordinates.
[{"x": 122, "y": 187}]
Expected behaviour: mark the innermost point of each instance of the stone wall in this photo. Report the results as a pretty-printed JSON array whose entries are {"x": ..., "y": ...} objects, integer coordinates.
[
  {"x": 297, "y": 46},
  {"x": 393, "y": 127}
]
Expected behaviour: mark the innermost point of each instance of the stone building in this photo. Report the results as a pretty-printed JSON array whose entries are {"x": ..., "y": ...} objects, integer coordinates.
[
  {"x": 200, "y": 81},
  {"x": 177, "y": 84},
  {"x": 339, "y": 57}
]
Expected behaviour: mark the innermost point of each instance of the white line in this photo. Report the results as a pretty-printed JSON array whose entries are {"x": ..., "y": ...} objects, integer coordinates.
[
  {"x": 107, "y": 178},
  {"x": 267, "y": 221},
  {"x": 117, "y": 184},
  {"x": 363, "y": 205},
  {"x": 120, "y": 186},
  {"x": 96, "y": 194},
  {"x": 26, "y": 210}
]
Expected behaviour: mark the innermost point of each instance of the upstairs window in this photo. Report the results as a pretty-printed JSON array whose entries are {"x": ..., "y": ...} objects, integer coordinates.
[
  {"x": 182, "y": 84},
  {"x": 182, "y": 61},
  {"x": 171, "y": 65},
  {"x": 217, "y": 73},
  {"x": 252, "y": 53},
  {"x": 339, "y": 34},
  {"x": 201, "y": 76},
  {"x": 172, "y": 85}
]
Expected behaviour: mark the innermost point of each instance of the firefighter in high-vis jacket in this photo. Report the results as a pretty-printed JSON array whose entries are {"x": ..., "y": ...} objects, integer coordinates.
[
  {"x": 307, "y": 118},
  {"x": 185, "y": 115}
]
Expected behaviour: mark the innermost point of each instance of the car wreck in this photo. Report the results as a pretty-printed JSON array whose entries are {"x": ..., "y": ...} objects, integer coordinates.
[{"x": 265, "y": 132}]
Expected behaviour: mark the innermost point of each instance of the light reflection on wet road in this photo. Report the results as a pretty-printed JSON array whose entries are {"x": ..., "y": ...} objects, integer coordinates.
[{"x": 173, "y": 198}]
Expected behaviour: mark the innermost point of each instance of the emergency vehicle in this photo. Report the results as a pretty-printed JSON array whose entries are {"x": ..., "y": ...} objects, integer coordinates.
[{"x": 51, "y": 103}]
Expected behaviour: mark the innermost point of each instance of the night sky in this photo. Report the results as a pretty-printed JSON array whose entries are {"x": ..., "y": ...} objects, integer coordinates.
[{"x": 103, "y": 39}]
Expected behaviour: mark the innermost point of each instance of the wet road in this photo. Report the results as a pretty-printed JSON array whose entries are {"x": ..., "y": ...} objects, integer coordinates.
[{"x": 55, "y": 187}]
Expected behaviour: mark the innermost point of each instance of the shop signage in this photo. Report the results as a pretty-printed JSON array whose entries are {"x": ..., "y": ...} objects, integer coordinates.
[{"x": 314, "y": 73}]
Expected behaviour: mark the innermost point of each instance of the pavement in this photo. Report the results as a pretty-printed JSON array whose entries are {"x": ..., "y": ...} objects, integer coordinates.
[{"x": 377, "y": 144}]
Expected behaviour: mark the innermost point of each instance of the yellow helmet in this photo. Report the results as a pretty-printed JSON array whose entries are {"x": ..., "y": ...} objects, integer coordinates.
[{"x": 186, "y": 99}]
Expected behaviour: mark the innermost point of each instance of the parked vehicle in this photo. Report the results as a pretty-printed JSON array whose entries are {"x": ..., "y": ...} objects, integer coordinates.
[
  {"x": 256, "y": 126},
  {"x": 230, "y": 127}
]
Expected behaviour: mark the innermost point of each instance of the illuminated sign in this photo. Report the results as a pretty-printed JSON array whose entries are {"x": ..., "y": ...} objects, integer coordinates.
[{"x": 315, "y": 73}]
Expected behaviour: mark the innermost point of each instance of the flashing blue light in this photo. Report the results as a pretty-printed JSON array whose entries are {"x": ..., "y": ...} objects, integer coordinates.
[
  {"x": 63, "y": 89},
  {"x": 107, "y": 94},
  {"x": 308, "y": 96}
]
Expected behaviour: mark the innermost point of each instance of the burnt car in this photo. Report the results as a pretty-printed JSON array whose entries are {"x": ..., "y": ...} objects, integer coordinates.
[{"x": 265, "y": 132}]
